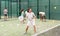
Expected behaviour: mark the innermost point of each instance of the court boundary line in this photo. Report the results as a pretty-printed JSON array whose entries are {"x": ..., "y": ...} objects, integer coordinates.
[{"x": 46, "y": 30}]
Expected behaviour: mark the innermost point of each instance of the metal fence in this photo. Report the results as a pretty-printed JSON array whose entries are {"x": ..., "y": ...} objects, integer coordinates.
[{"x": 50, "y": 7}]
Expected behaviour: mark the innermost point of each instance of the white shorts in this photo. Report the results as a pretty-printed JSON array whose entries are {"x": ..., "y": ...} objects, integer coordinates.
[
  {"x": 31, "y": 23},
  {"x": 21, "y": 18}
]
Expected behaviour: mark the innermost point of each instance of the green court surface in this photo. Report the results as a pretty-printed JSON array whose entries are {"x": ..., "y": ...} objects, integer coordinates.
[
  {"x": 53, "y": 32},
  {"x": 13, "y": 27}
]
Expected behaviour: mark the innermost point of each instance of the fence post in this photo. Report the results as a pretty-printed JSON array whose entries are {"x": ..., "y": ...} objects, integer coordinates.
[
  {"x": 37, "y": 8},
  {"x": 0, "y": 9},
  {"x": 49, "y": 9},
  {"x": 19, "y": 7}
]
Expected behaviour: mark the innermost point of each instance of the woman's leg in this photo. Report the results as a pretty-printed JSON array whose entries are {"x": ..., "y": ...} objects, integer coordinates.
[
  {"x": 34, "y": 28},
  {"x": 27, "y": 28}
]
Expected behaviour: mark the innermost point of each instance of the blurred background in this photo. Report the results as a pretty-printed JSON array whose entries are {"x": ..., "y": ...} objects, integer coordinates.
[{"x": 50, "y": 7}]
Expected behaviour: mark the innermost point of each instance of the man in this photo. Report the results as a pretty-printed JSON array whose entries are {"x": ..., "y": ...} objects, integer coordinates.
[
  {"x": 42, "y": 16},
  {"x": 5, "y": 14}
]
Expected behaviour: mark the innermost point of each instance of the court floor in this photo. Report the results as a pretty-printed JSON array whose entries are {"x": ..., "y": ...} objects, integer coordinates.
[
  {"x": 52, "y": 32},
  {"x": 13, "y": 27}
]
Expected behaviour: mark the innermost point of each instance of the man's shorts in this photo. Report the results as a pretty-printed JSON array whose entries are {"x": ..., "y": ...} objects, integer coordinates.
[
  {"x": 5, "y": 14},
  {"x": 21, "y": 18}
]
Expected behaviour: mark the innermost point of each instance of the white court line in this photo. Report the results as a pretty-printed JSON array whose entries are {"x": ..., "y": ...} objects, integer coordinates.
[{"x": 46, "y": 30}]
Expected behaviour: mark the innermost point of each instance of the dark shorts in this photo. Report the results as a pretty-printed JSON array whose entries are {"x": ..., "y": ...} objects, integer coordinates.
[
  {"x": 42, "y": 17},
  {"x": 5, "y": 14}
]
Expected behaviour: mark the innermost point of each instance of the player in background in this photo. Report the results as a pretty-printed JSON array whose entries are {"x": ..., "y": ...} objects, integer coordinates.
[
  {"x": 21, "y": 18},
  {"x": 5, "y": 14},
  {"x": 42, "y": 16}
]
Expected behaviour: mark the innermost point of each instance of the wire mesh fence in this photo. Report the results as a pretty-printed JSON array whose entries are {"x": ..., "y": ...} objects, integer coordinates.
[{"x": 51, "y": 8}]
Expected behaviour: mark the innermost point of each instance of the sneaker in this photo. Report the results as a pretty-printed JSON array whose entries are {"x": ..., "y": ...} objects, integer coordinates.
[{"x": 25, "y": 33}]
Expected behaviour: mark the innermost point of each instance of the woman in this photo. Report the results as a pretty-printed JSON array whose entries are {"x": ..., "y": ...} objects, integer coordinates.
[
  {"x": 30, "y": 20},
  {"x": 21, "y": 18}
]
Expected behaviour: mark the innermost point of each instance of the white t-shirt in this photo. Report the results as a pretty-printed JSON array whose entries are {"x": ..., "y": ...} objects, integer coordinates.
[
  {"x": 22, "y": 13},
  {"x": 30, "y": 16},
  {"x": 25, "y": 12},
  {"x": 43, "y": 13},
  {"x": 5, "y": 11}
]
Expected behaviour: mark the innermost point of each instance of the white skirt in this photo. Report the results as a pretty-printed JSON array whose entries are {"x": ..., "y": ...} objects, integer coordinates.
[
  {"x": 31, "y": 23},
  {"x": 21, "y": 18}
]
